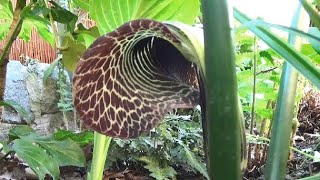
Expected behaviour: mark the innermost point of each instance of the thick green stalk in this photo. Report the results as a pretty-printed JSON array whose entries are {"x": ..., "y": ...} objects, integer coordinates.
[
  {"x": 222, "y": 108},
  {"x": 100, "y": 151},
  {"x": 282, "y": 123}
]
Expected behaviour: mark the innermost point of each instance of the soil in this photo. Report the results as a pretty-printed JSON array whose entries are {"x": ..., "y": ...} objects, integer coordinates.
[{"x": 307, "y": 139}]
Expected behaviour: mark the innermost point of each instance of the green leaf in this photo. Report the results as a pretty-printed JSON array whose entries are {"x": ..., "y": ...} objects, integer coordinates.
[
  {"x": 83, "y": 4},
  {"x": 32, "y": 19},
  {"x": 86, "y": 36},
  {"x": 42, "y": 28},
  {"x": 5, "y": 146},
  {"x": 63, "y": 16},
  {"x": 6, "y": 10},
  {"x": 25, "y": 32},
  {"x": 20, "y": 131},
  {"x": 110, "y": 14},
  {"x": 194, "y": 162},
  {"x": 82, "y": 138},
  {"x": 157, "y": 172},
  {"x": 72, "y": 54},
  {"x": 309, "y": 51},
  {"x": 26, "y": 132},
  {"x": 4, "y": 28},
  {"x": 262, "y": 23},
  {"x": 50, "y": 69},
  {"x": 66, "y": 153},
  {"x": 177, "y": 10},
  {"x": 21, "y": 110},
  {"x": 37, "y": 158},
  {"x": 296, "y": 59},
  {"x": 315, "y": 44}
]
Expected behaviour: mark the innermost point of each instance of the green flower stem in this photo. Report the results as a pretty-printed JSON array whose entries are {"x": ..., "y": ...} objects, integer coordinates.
[
  {"x": 222, "y": 103},
  {"x": 282, "y": 123},
  {"x": 100, "y": 151}
]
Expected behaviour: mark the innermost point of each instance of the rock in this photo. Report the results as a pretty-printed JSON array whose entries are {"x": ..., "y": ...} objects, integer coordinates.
[
  {"x": 43, "y": 96},
  {"x": 24, "y": 84},
  {"x": 15, "y": 90}
]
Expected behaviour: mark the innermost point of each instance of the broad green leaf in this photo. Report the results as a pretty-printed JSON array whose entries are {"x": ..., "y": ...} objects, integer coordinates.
[
  {"x": 82, "y": 138},
  {"x": 110, "y": 14},
  {"x": 309, "y": 51},
  {"x": 32, "y": 19},
  {"x": 175, "y": 10},
  {"x": 26, "y": 132},
  {"x": 86, "y": 36},
  {"x": 6, "y": 10},
  {"x": 315, "y": 44},
  {"x": 21, "y": 110},
  {"x": 66, "y": 152},
  {"x": 72, "y": 54},
  {"x": 37, "y": 158},
  {"x": 50, "y": 69},
  {"x": 4, "y": 28},
  {"x": 296, "y": 59},
  {"x": 83, "y": 4},
  {"x": 20, "y": 131},
  {"x": 25, "y": 32}
]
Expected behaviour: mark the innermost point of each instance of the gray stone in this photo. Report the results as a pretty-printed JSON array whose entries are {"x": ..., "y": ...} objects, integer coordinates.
[
  {"x": 15, "y": 90},
  {"x": 24, "y": 84}
]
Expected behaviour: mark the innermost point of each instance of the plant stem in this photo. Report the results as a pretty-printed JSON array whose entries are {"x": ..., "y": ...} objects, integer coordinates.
[
  {"x": 54, "y": 28},
  {"x": 100, "y": 151},
  {"x": 253, "y": 96},
  {"x": 222, "y": 103},
  {"x": 282, "y": 123}
]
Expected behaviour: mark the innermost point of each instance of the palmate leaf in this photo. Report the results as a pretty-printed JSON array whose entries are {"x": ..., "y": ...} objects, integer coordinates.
[
  {"x": 296, "y": 59},
  {"x": 110, "y": 14}
]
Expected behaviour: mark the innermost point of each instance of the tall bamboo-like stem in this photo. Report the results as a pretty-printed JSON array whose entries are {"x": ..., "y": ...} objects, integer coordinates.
[
  {"x": 223, "y": 110},
  {"x": 282, "y": 122}
]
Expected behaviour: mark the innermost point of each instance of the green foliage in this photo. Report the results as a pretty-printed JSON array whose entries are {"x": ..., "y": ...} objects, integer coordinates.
[
  {"x": 17, "y": 107},
  {"x": 47, "y": 73},
  {"x": 63, "y": 16},
  {"x": 294, "y": 57},
  {"x": 37, "y": 158},
  {"x": 83, "y": 138},
  {"x": 156, "y": 170},
  {"x": 65, "y": 102},
  {"x": 176, "y": 143},
  {"x": 110, "y": 14},
  {"x": 108, "y": 20},
  {"x": 44, "y": 155},
  {"x": 6, "y": 15}
]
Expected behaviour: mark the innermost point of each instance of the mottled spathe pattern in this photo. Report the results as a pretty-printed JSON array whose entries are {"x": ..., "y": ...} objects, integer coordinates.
[{"x": 130, "y": 78}]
